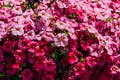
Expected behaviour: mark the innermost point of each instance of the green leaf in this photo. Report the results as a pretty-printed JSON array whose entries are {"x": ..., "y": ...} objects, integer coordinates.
[
  {"x": 65, "y": 32},
  {"x": 36, "y": 16},
  {"x": 73, "y": 15},
  {"x": 52, "y": 44},
  {"x": 82, "y": 59},
  {"x": 1, "y": 75},
  {"x": 8, "y": 5},
  {"x": 108, "y": 19}
]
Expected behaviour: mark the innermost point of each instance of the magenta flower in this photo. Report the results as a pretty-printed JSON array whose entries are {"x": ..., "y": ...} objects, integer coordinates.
[
  {"x": 8, "y": 46},
  {"x": 1, "y": 67},
  {"x": 39, "y": 52},
  {"x": 24, "y": 44},
  {"x": 1, "y": 56},
  {"x": 40, "y": 63},
  {"x": 19, "y": 55},
  {"x": 91, "y": 61},
  {"x": 27, "y": 74},
  {"x": 72, "y": 58},
  {"x": 50, "y": 65},
  {"x": 33, "y": 46},
  {"x": 10, "y": 70},
  {"x": 48, "y": 77}
]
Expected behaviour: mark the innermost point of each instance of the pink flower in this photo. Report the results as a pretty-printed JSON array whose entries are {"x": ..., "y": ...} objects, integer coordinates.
[
  {"x": 5, "y": 13},
  {"x": 60, "y": 24},
  {"x": 50, "y": 65},
  {"x": 48, "y": 77},
  {"x": 29, "y": 12},
  {"x": 80, "y": 16},
  {"x": 39, "y": 52},
  {"x": 85, "y": 45},
  {"x": 61, "y": 3},
  {"x": 33, "y": 46},
  {"x": 27, "y": 74},
  {"x": 18, "y": 2},
  {"x": 114, "y": 69},
  {"x": 44, "y": 14},
  {"x": 42, "y": 6},
  {"x": 46, "y": 1},
  {"x": 17, "y": 30},
  {"x": 16, "y": 66},
  {"x": 17, "y": 10},
  {"x": 61, "y": 40},
  {"x": 91, "y": 61},
  {"x": 48, "y": 37},
  {"x": 72, "y": 58},
  {"x": 79, "y": 69},
  {"x": 11, "y": 2},
  {"x": 30, "y": 35}
]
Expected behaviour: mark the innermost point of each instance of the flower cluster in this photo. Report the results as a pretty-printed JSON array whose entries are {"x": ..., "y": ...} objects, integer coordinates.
[{"x": 59, "y": 40}]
